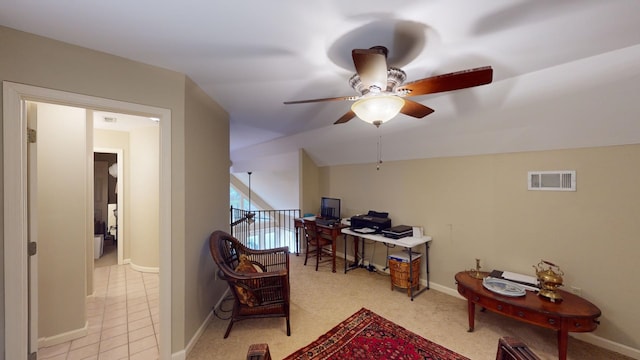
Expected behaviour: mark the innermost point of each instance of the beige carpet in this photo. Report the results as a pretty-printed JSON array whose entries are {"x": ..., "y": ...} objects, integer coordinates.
[{"x": 322, "y": 299}]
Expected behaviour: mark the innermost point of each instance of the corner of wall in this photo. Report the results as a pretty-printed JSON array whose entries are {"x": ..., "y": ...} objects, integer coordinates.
[{"x": 309, "y": 184}]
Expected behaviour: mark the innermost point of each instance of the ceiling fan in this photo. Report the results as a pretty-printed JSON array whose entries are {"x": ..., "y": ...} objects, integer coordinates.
[{"x": 382, "y": 95}]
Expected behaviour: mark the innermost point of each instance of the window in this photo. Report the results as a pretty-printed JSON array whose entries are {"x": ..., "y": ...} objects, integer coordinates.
[{"x": 238, "y": 200}]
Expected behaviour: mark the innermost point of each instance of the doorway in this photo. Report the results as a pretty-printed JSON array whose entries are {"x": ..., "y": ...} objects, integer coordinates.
[
  {"x": 15, "y": 212},
  {"x": 108, "y": 200}
]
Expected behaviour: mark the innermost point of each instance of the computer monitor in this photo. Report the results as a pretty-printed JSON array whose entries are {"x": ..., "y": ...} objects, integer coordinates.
[{"x": 330, "y": 208}]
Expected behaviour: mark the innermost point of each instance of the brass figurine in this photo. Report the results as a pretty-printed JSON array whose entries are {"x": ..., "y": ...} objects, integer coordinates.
[
  {"x": 476, "y": 273},
  {"x": 549, "y": 280}
]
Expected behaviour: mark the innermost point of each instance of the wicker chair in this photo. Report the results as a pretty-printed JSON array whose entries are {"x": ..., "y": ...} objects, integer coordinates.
[
  {"x": 267, "y": 287},
  {"x": 316, "y": 244}
]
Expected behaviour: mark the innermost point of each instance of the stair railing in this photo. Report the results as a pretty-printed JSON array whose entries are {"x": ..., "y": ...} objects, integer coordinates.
[{"x": 264, "y": 229}]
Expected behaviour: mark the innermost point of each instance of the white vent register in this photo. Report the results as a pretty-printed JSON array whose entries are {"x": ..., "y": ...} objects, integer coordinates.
[{"x": 561, "y": 180}]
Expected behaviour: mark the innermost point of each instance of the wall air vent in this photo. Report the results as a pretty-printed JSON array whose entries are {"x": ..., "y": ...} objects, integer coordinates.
[{"x": 561, "y": 180}]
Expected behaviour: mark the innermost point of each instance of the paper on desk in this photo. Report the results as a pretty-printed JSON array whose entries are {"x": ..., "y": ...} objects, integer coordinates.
[
  {"x": 365, "y": 230},
  {"x": 519, "y": 277}
]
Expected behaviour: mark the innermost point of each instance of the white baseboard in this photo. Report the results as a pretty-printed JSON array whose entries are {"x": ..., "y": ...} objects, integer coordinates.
[
  {"x": 607, "y": 344},
  {"x": 64, "y": 337},
  {"x": 199, "y": 332},
  {"x": 145, "y": 269},
  {"x": 182, "y": 354}
]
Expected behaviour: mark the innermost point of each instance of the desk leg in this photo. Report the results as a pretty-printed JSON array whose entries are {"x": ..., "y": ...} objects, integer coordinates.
[
  {"x": 471, "y": 308},
  {"x": 410, "y": 274},
  {"x": 333, "y": 252},
  {"x": 426, "y": 247},
  {"x": 355, "y": 263},
  {"x": 297, "y": 231},
  {"x": 345, "y": 252},
  {"x": 361, "y": 260},
  {"x": 563, "y": 342}
]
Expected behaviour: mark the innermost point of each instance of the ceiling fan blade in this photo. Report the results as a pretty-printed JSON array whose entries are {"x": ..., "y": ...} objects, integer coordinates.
[
  {"x": 371, "y": 66},
  {"x": 346, "y": 117},
  {"x": 320, "y": 100},
  {"x": 447, "y": 82},
  {"x": 415, "y": 109}
]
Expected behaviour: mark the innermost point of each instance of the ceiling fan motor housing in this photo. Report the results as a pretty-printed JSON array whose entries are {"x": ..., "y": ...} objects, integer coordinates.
[{"x": 395, "y": 78}]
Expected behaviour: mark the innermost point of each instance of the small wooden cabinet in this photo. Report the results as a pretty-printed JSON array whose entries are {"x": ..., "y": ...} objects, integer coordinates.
[
  {"x": 403, "y": 274},
  {"x": 400, "y": 276}
]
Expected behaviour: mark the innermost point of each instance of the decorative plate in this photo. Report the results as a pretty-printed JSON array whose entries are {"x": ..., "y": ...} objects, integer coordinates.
[{"x": 503, "y": 287}]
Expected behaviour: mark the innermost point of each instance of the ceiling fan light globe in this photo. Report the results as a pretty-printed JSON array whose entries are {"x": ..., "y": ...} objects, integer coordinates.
[{"x": 378, "y": 109}]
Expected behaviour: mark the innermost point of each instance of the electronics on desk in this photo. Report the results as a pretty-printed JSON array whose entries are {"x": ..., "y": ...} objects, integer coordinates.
[
  {"x": 329, "y": 211},
  {"x": 398, "y": 231},
  {"x": 365, "y": 230},
  {"x": 326, "y": 221},
  {"x": 377, "y": 221}
]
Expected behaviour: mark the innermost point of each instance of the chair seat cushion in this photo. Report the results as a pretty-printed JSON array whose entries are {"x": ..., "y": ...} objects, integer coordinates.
[{"x": 245, "y": 295}]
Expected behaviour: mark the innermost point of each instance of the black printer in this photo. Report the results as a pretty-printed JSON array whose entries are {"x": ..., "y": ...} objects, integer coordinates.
[{"x": 372, "y": 223}]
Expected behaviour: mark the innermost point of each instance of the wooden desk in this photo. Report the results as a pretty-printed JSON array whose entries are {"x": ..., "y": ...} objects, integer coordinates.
[
  {"x": 572, "y": 314},
  {"x": 332, "y": 232},
  {"x": 406, "y": 242}
]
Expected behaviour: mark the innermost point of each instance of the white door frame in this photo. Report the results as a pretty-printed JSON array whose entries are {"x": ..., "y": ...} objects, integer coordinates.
[
  {"x": 120, "y": 198},
  {"x": 15, "y": 206}
]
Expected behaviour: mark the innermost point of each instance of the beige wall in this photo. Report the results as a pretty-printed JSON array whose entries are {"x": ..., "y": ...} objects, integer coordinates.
[
  {"x": 62, "y": 208},
  {"x": 207, "y": 198},
  {"x": 42, "y": 62},
  {"x": 479, "y": 207},
  {"x": 144, "y": 190},
  {"x": 310, "y": 192}
]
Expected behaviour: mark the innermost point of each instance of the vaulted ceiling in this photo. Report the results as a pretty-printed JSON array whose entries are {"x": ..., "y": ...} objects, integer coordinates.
[{"x": 566, "y": 73}]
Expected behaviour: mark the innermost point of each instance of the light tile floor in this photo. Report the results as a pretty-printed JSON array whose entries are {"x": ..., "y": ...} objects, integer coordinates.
[{"x": 123, "y": 316}]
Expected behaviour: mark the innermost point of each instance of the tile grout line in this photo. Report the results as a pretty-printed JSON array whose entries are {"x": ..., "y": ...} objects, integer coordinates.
[{"x": 111, "y": 283}]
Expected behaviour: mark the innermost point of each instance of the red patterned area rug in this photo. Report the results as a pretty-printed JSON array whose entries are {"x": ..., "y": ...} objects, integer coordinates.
[{"x": 367, "y": 335}]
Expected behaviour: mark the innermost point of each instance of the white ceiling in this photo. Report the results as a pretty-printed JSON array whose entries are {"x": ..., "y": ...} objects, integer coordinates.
[{"x": 566, "y": 73}]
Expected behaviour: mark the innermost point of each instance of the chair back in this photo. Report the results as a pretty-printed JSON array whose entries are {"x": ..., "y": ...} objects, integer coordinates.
[
  {"x": 310, "y": 231},
  {"x": 258, "y": 278},
  {"x": 226, "y": 251}
]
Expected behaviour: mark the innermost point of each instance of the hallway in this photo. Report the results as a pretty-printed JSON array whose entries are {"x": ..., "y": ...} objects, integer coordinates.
[{"x": 123, "y": 319}]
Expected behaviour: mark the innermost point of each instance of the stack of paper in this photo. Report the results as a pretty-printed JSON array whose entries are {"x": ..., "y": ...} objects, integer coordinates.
[{"x": 528, "y": 282}]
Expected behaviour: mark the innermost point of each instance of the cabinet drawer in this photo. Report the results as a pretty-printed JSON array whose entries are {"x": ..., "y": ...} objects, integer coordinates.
[
  {"x": 536, "y": 318},
  {"x": 582, "y": 325},
  {"x": 494, "y": 305}
]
